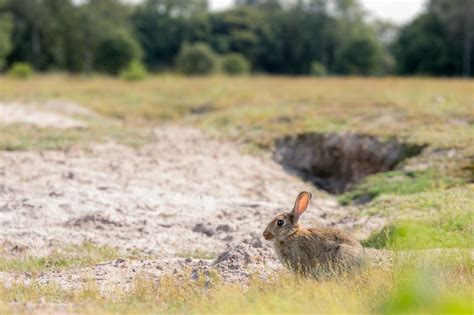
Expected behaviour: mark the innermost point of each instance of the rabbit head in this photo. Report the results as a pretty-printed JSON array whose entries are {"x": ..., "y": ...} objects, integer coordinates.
[{"x": 286, "y": 224}]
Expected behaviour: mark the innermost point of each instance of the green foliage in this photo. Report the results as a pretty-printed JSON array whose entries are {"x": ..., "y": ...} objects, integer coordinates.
[
  {"x": 162, "y": 26},
  {"x": 235, "y": 64},
  {"x": 443, "y": 220},
  {"x": 135, "y": 71},
  {"x": 422, "y": 234},
  {"x": 438, "y": 41},
  {"x": 420, "y": 291},
  {"x": 422, "y": 48},
  {"x": 237, "y": 31},
  {"x": 116, "y": 53},
  {"x": 5, "y": 37},
  {"x": 196, "y": 59},
  {"x": 274, "y": 37},
  {"x": 20, "y": 70},
  {"x": 318, "y": 69},
  {"x": 360, "y": 57}
]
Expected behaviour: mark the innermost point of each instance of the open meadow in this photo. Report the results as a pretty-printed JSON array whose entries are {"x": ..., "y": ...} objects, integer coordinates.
[{"x": 152, "y": 196}]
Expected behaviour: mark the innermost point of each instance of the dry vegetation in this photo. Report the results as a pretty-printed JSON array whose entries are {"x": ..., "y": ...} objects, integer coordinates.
[{"x": 430, "y": 203}]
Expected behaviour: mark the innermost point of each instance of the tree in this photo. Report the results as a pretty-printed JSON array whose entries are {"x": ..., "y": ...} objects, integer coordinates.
[
  {"x": 5, "y": 35},
  {"x": 456, "y": 16},
  {"x": 59, "y": 34},
  {"x": 161, "y": 27},
  {"x": 100, "y": 21},
  {"x": 237, "y": 31},
  {"x": 438, "y": 42},
  {"x": 422, "y": 48}
]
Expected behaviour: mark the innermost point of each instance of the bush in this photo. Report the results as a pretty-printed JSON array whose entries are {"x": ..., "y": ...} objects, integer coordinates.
[
  {"x": 134, "y": 72},
  {"x": 318, "y": 69},
  {"x": 361, "y": 57},
  {"x": 196, "y": 59},
  {"x": 235, "y": 64},
  {"x": 20, "y": 70},
  {"x": 115, "y": 53}
]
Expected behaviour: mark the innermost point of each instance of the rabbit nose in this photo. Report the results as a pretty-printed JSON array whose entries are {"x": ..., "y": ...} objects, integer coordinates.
[{"x": 267, "y": 235}]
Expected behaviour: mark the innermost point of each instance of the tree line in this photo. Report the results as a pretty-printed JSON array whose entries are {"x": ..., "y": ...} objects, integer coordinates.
[{"x": 271, "y": 36}]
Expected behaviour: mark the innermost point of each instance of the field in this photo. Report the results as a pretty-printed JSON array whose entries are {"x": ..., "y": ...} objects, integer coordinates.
[{"x": 118, "y": 196}]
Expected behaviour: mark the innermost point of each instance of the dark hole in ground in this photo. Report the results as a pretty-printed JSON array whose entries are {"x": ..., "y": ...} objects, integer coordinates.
[{"x": 337, "y": 161}]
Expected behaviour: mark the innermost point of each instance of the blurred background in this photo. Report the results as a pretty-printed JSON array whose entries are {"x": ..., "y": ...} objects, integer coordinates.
[{"x": 296, "y": 37}]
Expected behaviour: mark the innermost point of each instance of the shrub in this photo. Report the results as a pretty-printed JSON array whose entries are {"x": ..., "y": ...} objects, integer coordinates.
[
  {"x": 115, "y": 53},
  {"x": 318, "y": 69},
  {"x": 134, "y": 72},
  {"x": 235, "y": 64},
  {"x": 360, "y": 57},
  {"x": 196, "y": 59},
  {"x": 21, "y": 70}
]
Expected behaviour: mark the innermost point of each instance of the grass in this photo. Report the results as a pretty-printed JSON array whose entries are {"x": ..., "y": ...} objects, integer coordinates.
[
  {"x": 441, "y": 218},
  {"x": 429, "y": 207},
  {"x": 20, "y": 137},
  {"x": 417, "y": 284},
  {"x": 435, "y": 111},
  {"x": 400, "y": 182},
  {"x": 84, "y": 254}
]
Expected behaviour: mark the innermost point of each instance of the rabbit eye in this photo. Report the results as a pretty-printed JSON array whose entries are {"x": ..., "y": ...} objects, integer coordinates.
[{"x": 280, "y": 222}]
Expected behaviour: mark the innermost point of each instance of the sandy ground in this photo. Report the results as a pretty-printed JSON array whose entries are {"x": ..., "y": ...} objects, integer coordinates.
[
  {"x": 183, "y": 192},
  {"x": 49, "y": 114}
]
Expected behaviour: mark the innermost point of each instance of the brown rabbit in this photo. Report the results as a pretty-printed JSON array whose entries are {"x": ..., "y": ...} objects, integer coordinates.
[{"x": 309, "y": 250}]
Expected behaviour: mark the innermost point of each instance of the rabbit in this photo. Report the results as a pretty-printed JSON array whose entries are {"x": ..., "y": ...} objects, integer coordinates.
[{"x": 308, "y": 251}]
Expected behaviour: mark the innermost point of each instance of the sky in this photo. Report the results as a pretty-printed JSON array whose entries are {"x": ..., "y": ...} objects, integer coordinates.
[{"x": 398, "y": 11}]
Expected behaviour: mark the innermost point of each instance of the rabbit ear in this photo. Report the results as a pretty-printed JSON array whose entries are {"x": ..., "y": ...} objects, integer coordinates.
[{"x": 301, "y": 203}]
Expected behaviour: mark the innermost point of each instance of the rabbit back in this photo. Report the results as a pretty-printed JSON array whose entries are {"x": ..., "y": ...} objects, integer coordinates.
[{"x": 310, "y": 249}]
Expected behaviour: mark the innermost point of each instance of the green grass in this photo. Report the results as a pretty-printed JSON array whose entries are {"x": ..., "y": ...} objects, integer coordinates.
[
  {"x": 400, "y": 183},
  {"x": 84, "y": 254},
  {"x": 414, "y": 284},
  {"x": 433, "y": 219}
]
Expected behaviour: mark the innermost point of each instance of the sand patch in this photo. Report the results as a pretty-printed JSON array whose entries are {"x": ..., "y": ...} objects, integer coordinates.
[
  {"x": 181, "y": 193},
  {"x": 12, "y": 113}
]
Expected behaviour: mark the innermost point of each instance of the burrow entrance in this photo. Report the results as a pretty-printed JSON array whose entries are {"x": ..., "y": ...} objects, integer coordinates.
[{"x": 336, "y": 161}]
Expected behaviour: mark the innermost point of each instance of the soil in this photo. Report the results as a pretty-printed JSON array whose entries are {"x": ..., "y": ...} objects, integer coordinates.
[
  {"x": 337, "y": 161},
  {"x": 183, "y": 193},
  {"x": 11, "y": 113}
]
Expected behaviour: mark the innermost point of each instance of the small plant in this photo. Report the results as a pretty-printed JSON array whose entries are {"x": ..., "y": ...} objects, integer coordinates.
[
  {"x": 318, "y": 69},
  {"x": 135, "y": 71},
  {"x": 196, "y": 59},
  {"x": 20, "y": 70},
  {"x": 235, "y": 64}
]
